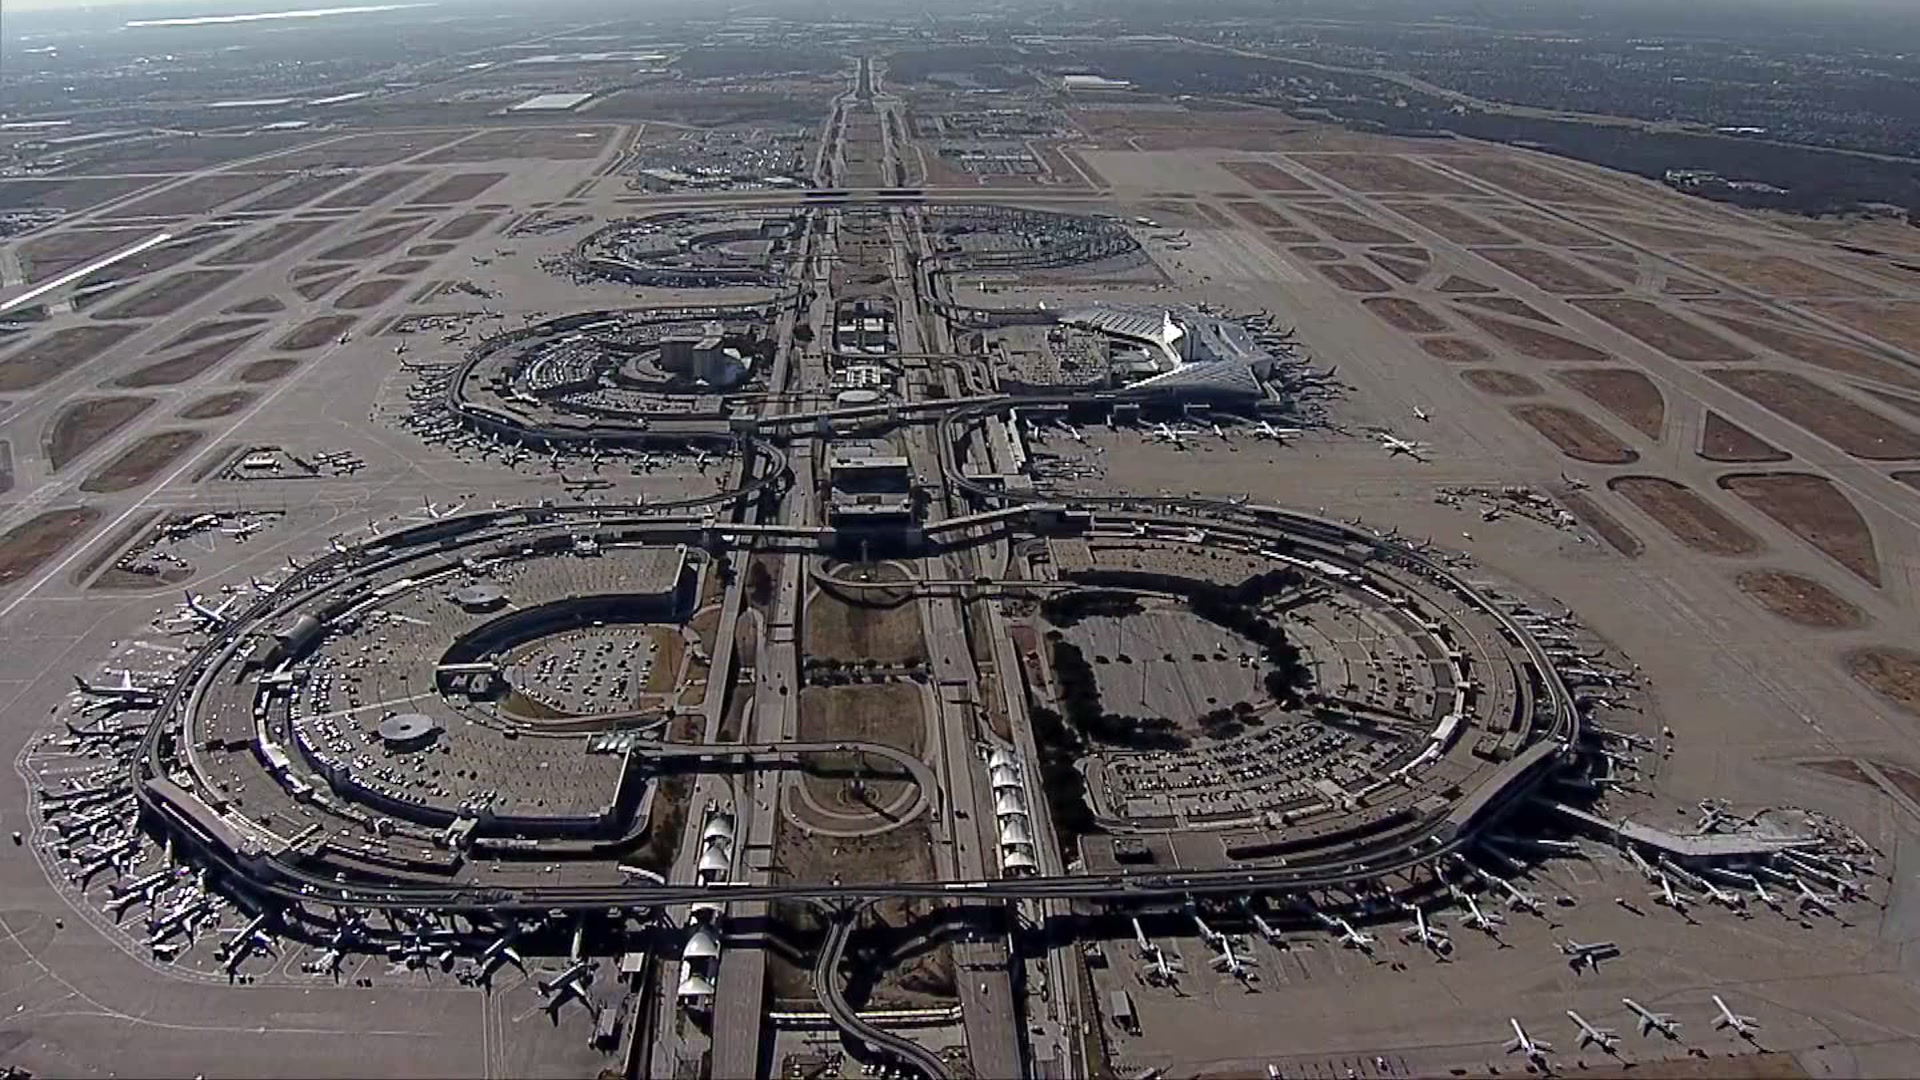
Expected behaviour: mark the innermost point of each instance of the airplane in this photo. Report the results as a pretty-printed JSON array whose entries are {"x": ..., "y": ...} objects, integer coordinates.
[
  {"x": 1267, "y": 930},
  {"x": 1219, "y": 432},
  {"x": 123, "y": 691},
  {"x": 1487, "y": 922},
  {"x": 1072, "y": 432},
  {"x": 1588, "y": 955},
  {"x": 1651, "y": 1022},
  {"x": 1420, "y": 414},
  {"x": 263, "y": 588},
  {"x": 1573, "y": 483},
  {"x": 1742, "y": 1026},
  {"x": 501, "y": 951},
  {"x": 1278, "y": 434},
  {"x": 1535, "y": 1050},
  {"x": 433, "y": 510},
  {"x": 1173, "y": 436},
  {"x": 1731, "y": 901},
  {"x": 571, "y": 982},
  {"x": 245, "y": 529},
  {"x": 1354, "y": 939},
  {"x": 1604, "y": 1038},
  {"x": 578, "y": 484},
  {"x": 1230, "y": 963},
  {"x": 210, "y": 617},
  {"x": 1395, "y": 446},
  {"x": 1520, "y": 900},
  {"x": 1207, "y": 934},
  {"x": 1665, "y": 896},
  {"x": 1436, "y": 940},
  {"x": 1160, "y": 971},
  {"x": 1814, "y": 901},
  {"x": 174, "y": 530}
]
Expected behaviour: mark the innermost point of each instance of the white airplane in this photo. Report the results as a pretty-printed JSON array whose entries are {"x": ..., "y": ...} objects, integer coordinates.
[
  {"x": 213, "y": 618},
  {"x": 1487, "y": 922},
  {"x": 1716, "y": 895},
  {"x": 571, "y": 982},
  {"x": 1667, "y": 897},
  {"x": 1162, "y": 971},
  {"x": 1207, "y": 933},
  {"x": 501, "y": 951},
  {"x": 1396, "y": 446},
  {"x": 1535, "y": 1050},
  {"x": 263, "y": 588},
  {"x": 245, "y": 529},
  {"x": 1520, "y": 900},
  {"x": 1573, "y": 483},
  {"x": 436, "y": 513},
  {"x": 1604, "y": 1038},
  {"x": 1072, "y": 432},
  {"x": 1420, "y": 414},
  {"x": 1814, "y": 901},
  {"x": 1588, "y": 954},
  {"x": 1354, "y": 939},
  {"x": 1230, "y": 963},
  {"x": 1174, "y": 436},
  {"x": 124, "y": 691},
  {"x": 1651, "y": 1022},
  {"x": 1743, "y": 1026},
  {"x": 1219, "y": 432},
  {"x": 1435, "y": 940},
  {"x": 1266, "y": 430}
]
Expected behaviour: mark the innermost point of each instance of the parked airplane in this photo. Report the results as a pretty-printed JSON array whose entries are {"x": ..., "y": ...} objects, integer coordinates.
[
  {"x": 212, "y": 618},
  {"x": 245, "y": 529},
  {"x": 1230, "y": 963},
  {"x": 1266, "y": 430},
  {"x": 1420, "y": 414},
  {"x": 1487, "y": 922},
  {"x": 1535, "y": 1050},
  {"x": 1396, "y": 446},
  {"x": 572, "y": 982},
  {"x": 1666, "y": 896},
  {"x": 1651, "y": 1022},
  {"x": 1810, "y": 900},
  {"x": 1604, "y": 1038},
  {"x": 1743, "y": 1026},
  {"x": 579, "y": 484},
  {"x": 1163, "y": 971},
  {"x": 1174, "y": 436},
  {"x": 124, "y": 691},
  {"x": 1354, "y": 939},
  {"x": 1588, "y": 954},
  {"x": 1435, "y": 940},
  {"x": 1207, "y": 934},
  {"x": 263, "y": 588},
  {"x": 1731, "y": 901}
]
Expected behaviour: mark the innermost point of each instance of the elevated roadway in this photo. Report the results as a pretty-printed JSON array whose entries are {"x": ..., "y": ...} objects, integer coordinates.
[{"x": 826, "y": 983}]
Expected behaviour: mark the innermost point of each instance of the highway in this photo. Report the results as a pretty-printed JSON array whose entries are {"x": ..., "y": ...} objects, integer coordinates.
[{"x": 826, "y": 983}]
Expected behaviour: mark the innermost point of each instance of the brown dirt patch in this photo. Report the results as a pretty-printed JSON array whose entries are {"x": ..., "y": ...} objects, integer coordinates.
[
  {"x": 1534, "y": 343},
  {"x": 1604, "y": 525},
  {"x": 1509, "y": 306},
  {"x": 1265, "y": 176},
  {"x": 171, "y": 294},
  {"x": 317, "y": 287},
  {"x": 1457, "y": 284},
  {"x": 1664, "y": 330},
  {"x": 198, "y": 195},
  {"x": 72, "y": 196},
  {"x": 268, "y": 243},
  {"x": 1668, "y": 238},
  {"x": 1892, "y": 673},
  {"x": 840, "y": 630},
  {"x": 225, "y": 403},
  {"x": 28, "y": 545},
  {"x": 1316, "y": 253},
  {"x": 1896, "y": 322},
  {"x": 1853, "y": 428},
  {"x": 1576, "y": 435},
  {"x": 369, "y": 247},
  {"x": 1266, "y": 217},
  {"x": 263, "y": 305},
  {"x": 141, "y": 462},
  {"x": 1353, "y": 278},
  {"x": 1681, "y": 285},
  {"x": 1352, "y": 230},
  {"x": 1381, "y": 173},
  {"x": 1404, "y": 269},
  {"x": 368, "y": 293},
  {"x": 186, "y": 366},
  {"x": 1800, "y": 600},
  {"x": 40, "y": 360},
  {"x": 1500, "y": 383},
  {"x": 300, "y": 191},
  {"x": 1723, "y": 440},
  {"x": 265, "y": 371},
  {"x": 1691, "y": 519},
  {"x": 1623, "y": 392},
  {"x": 1456, "y": 350},
  {"x": 428, "y": 251},
  {"x": 889, "y": 713},
  {"x": 316, "y": 332},
  {"x": 1549, "y": 272},
  {"x": 1813, "y": 509},
  {"x": 1905, "y": 405},
  {"x": 45, "y": 257},
  {"x": 1545, "y": 230},
  {"x": 405, "y": 267},
  {"x": 80, "y": 425},
  {"x": 1404, "y": 314},
  {"x": 462, "y": 227},
  {"x": 457, "y": 189},
  {"x": 1533, "y": 182},
  {"x": 1459, "y": 227},
  {"x": 206, "y": 331},
  {"x": 1777, "y": 275},
  {"x": 1823, "y": 352},
  {"x": 561, "y": 143},
  {"x": 372, "y": 189}
]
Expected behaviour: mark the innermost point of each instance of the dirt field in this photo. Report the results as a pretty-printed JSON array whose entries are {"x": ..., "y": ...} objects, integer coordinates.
[
  {"x": 1406, "y": 270},
  {"x": 1532, "y": 182},
  {"x": 1456, "y": 350},
  {"x": 1349, "y": 229},
  {"x": 457, "y": 189},
  {"x": 1381, "y": 173},
  {"x": 838, "y": 630},
  {"x": 1800, "y": 600},
  {"x": 317, "y": 287},
  {"x": 1545, "y": 230},
  {"x": 1500, "y": 383},
  {"x": 1508, "y": 306},
  {"x": 1577, "y": 436},
  {"x": 265, "y": 371},
  {"x": 1533, "y": 343},
  {"x": 268, "y": 243},
  {"x": 368, "y": 294},
  {"x": 1545, "y": 271},
  {"x": 24, "y": 548},
  {"x": 557, "y": 143},
  {"x": 81, "y": 425},
  {"x": 225, "y": 403},
  {"x": 302, "y": 190},
  {"x": 372, "y": 189},
  {"x": 1777, "y": 275},
  {"x": 1892, "y": 673},
  {"x": 1353, "y": 278},
  {"x": 1855, "y": 429},
  {"x": 1604, "y": 525},
  {"x": 1823, "y": 352},
  {"x": 45, "y": 257},
  {"x": 1265, "y": 176},
  {"x": 72, "y": 196},
  {"x": 1623, "y": 392},
  {"x": 1667, "y": 238},
  {"x": 197, "y": 196},
  {"x": 141, "y": 462},
  {"x": 1664, "y": 330},
  {"x": 369, "y": 247},
  {"x": 171, "y": 294},
  {"x": 1811, "y": 508},
  {"x": 405, "y": 267},
  {"x": 888, "y": 713},
  {"x": 316, "y": 332},
  {"x": 264, "y": 305},
  {"x": 1459, "y": 227},
  {"x": 1723, "y": 440},
  {"x": 1681, "y": 285},
  {"x": 1691, "y": 519},
  {"x": 186, "y": 366},
  {"x": 207, "y": 331},
  {"x": 42, "y": 359},
  {"x": 462, "y": 227},
  {"x": 367, "y": 151},
  {"x": 1404, "y": 314},
  {"x": 1262, "y": 215},
  {"x": 1457, "y": 284},
  {"x": 1316, "y": 253}
]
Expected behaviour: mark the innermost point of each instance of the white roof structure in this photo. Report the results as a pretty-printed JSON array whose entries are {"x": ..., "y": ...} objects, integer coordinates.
[
  {"x": 1013, "y": 830},
  {"x": 1004, "y": 777},
  {"x": 701, "y": 945},
  {"x": 1009, "y": 802},
  {"x": 719, "y": 826},
  {"x": 1018, "y": 858},
  {"x": 695, "y": 985},
  {"x": 714, "y": 861}
]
